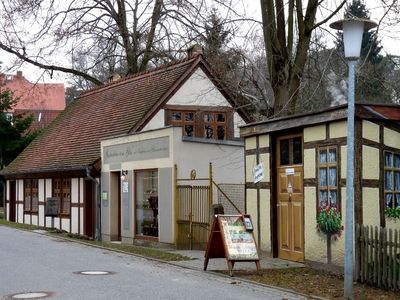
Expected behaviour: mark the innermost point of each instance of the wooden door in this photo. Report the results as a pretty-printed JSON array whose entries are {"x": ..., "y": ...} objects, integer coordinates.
[{"x": 290, "y": 198}]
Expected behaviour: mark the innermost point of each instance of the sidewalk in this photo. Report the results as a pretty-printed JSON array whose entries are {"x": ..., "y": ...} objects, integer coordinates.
[{"x": 219, "y": 264}]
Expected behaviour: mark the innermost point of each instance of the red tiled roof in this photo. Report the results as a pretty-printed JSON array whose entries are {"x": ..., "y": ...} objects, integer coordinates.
[{"x": 72, "y": 141}]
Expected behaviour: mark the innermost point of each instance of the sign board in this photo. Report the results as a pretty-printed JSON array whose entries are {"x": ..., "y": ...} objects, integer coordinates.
[
  {"x": 289, "y": 171},
  {"x": 230, "y": 238},
  {"x": 258, "y": 173},
  {"x": 52, "y": 207}
]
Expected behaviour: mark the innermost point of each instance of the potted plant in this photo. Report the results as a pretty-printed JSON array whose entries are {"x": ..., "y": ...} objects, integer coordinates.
[
  {"x": 392, "y": 212},
  {"x": 329, "y": 221}
]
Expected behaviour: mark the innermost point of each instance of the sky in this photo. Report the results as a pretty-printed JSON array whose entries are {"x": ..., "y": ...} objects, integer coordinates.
[{"x": 389, "y": 35}]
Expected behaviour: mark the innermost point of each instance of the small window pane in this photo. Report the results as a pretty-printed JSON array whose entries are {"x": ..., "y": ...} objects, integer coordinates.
[
  {"x": 220, "y": 117},
  {"x": 220, "y": 132},
  {"x": 397, "y": 181},
  {"x": 323, "y": 199},
  {"x": 332, "y": 155},
  {"x": 396, "y": 161},
  {"x": 189, "y": 130},
  {"x": 208, "y": 132},
  {"x": 176, "y": 116},
  {"x": 388, "y": 181},
  {"x": 322, "y": 177},
  {"x": 332, "y": 176},
  {"x": 208, "y": 117},
  {"x": 388, "y": 159},
  {"x": 397, "y": 199},
  {"x": 189, "y": 116},
  {"x": 297, "y": 151},
  {"x": 389, "y": 200},
  {"x": 284, "y": 149},
  {"x": 333, "y": 198},
  {"x": 322, "y": 156}
]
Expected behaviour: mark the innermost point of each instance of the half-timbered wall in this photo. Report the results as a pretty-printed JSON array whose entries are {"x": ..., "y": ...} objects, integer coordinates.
[
  {"x": 376, "y": 138},
  {"x": 72, "y": 223},
  {"x": 258, "y": 195}
]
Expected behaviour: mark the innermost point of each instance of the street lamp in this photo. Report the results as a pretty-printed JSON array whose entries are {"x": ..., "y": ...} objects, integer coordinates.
[{"x": 352, "y": 37}]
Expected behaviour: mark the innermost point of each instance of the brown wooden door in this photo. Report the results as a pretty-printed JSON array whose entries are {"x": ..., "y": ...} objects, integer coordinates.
[
  {"x": 11, "y": 216},
  {"x": 290, "y": 198}
]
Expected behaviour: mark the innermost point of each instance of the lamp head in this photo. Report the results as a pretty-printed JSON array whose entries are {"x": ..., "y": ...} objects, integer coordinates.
[{"x": 353, "y": 29}]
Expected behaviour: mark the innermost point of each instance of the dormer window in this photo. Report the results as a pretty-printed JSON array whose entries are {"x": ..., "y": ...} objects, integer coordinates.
[
  {"x": 204, "y": 122},
  {"x": 9, "y": 117}
]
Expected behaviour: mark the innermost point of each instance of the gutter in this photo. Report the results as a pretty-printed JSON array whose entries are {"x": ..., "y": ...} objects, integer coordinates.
[{"x": 97, "y": 235}]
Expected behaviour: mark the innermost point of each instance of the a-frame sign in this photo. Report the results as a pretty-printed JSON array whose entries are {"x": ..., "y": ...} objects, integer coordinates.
[{"x": 232, "y": 238}]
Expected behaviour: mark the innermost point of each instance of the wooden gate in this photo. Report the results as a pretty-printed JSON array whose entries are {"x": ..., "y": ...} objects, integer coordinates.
[{"x": 193, "y": 210}]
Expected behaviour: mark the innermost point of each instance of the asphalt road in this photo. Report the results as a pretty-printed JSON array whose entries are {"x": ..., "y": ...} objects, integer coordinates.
[{"x": 31, "y": 262}]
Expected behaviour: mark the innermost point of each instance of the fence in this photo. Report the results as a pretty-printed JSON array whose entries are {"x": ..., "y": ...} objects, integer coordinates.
[
  {"x": 379, "y": 261},
  {"x": 231, "y": 197}
]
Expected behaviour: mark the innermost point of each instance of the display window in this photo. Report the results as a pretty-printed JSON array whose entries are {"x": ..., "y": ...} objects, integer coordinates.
[{"x": 146, "y": 203}]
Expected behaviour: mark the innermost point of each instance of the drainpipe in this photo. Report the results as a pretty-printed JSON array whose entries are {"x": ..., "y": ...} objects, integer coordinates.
[
  {"x": 97, "y": 236},
  {"x": 4, "y": 200}
]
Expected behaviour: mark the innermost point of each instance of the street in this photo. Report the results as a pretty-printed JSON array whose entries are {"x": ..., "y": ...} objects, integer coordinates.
[{"x": 32, "y": 262}]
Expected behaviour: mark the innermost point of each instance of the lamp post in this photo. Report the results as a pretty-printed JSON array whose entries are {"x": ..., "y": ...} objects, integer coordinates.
[{"x": 352, "y": 37}]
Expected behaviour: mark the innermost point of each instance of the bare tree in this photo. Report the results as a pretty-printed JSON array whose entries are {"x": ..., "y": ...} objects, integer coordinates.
[
  {"x": 288, "y": 29},
  {"x": 131, "y": 34}
]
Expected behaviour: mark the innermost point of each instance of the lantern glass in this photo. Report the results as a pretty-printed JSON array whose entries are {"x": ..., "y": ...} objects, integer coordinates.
[{"x": 352, "y": 38}]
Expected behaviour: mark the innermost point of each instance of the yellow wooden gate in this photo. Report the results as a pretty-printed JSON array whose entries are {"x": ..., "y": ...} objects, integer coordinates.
[{"x": 193, "y": 211}]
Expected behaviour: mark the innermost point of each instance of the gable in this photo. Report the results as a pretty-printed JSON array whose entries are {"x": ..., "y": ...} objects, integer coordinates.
[{"x": 197, "y": 90}]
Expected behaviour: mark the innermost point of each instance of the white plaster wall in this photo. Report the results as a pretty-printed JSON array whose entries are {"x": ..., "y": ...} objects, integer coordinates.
[
  {"x": 20, "y": 190},
  {"x": 49, "y": 191},
  {"x": 74, "y": 218},
  {"x": 251, "y": 162},
  {"x": 74, "y": 190},
  {"x": 391, "y": 138},
  {"x": 370, "y": 131},
  {"x": 265, "y": 220},
  {"x": 370, "y": 166},
  {"x": 264, "y": 160},
  {"x": 264, "y": 140},
  {"x": 227, "y": 161},
  {"x": 338, "y": 129},
  {"x": 314, "y": 242},
  {"x": 34, "y": 220},
  {"x": 314, "y": 133},
  {"x": 27, "y": 219},
  {"x": 197, "y": 90},
  {"x": 41, "y": 215},
  {"x": 251, "y": 208},
  {"x": 65, "y": 224},
  {"x": 309, "y": 163},
  {"x": 392, "y": 224},
  {"x": 250, "y": 143},
  {"x": 370, "y": 206},
  {"x": 81, "y": 219}
]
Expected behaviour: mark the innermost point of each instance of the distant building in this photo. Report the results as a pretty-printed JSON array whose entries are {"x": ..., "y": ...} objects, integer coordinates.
[{"x": 43, "y": 100}]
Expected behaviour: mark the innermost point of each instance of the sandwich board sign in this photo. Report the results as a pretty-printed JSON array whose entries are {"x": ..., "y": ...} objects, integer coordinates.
[{"x": 232, "y": 238}]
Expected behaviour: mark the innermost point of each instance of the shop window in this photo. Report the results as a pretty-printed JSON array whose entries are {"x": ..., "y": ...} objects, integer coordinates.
[
  {"x": 147, "y": 203},
  {"x": 328, "y": 177},
  {"x": 31, "y": 195},
  {"x": 392, "y": 179},
  {"x": 62, "y": 191},
  {"x": 204, "y": 124}
]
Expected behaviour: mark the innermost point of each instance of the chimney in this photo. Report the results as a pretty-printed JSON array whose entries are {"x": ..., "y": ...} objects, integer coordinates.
[
  {"x": 19, "y": 74},
  {"x": 195, "y": 50},
  {"x": 114, "y": 77}
]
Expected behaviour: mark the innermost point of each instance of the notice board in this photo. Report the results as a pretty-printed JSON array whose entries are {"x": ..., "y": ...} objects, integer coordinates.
[{"x": 232, "y": 238}]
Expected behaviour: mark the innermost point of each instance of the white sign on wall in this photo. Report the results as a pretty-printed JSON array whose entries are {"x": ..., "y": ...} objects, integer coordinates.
[{"x": 258, "y": 173}]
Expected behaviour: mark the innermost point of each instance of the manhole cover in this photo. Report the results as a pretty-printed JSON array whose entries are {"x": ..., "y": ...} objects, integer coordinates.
[
  {"x": 94, "y": 272},
  {"x": 30, "y": 295}
]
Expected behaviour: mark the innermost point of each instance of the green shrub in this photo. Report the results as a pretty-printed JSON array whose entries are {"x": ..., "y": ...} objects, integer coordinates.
[{"x": 392, "y": 212}]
